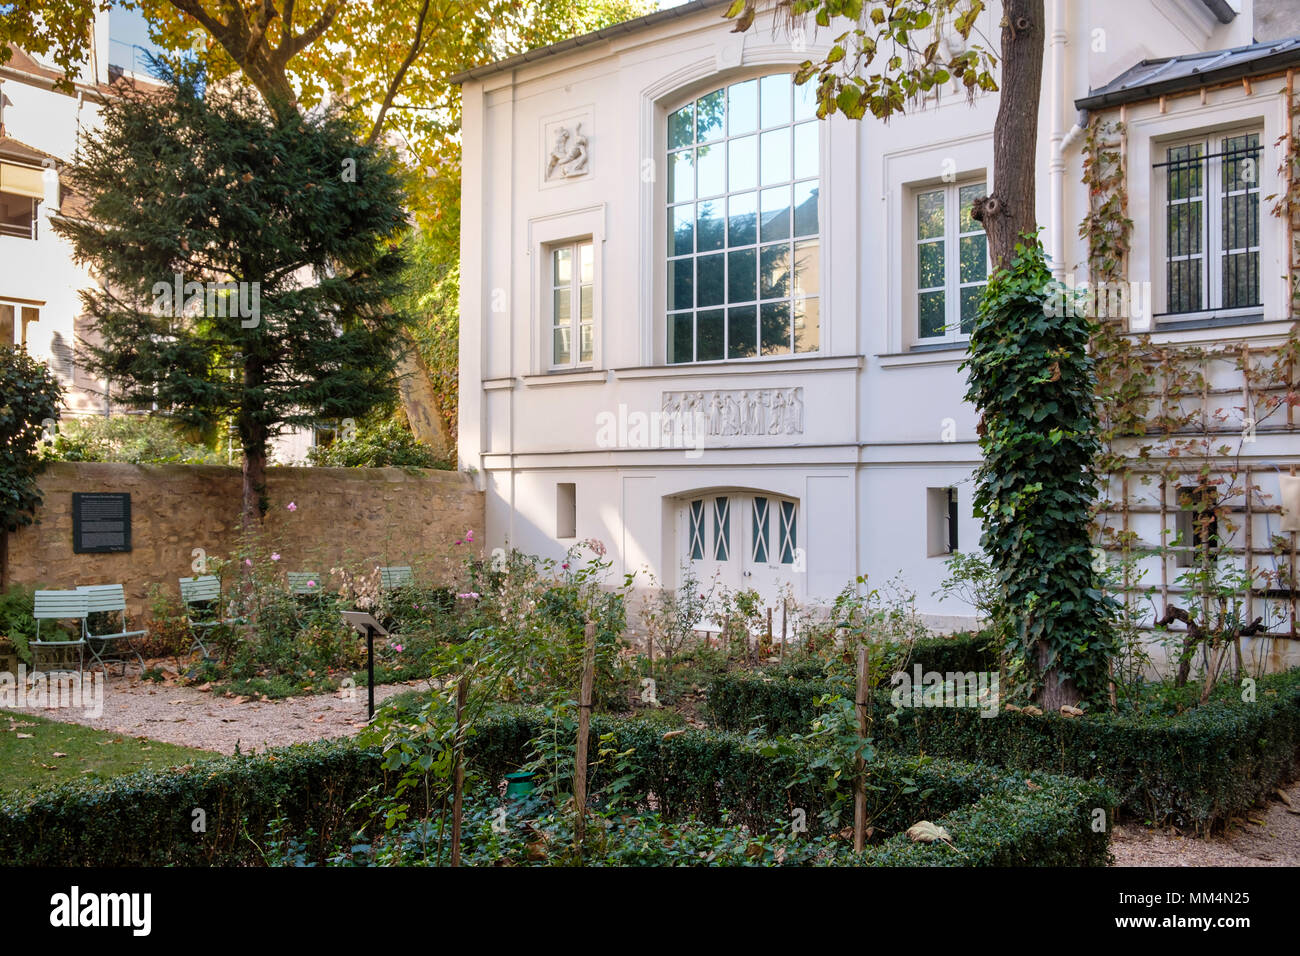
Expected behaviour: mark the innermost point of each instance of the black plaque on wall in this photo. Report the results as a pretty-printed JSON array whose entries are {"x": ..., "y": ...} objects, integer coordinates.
[{"x": 101, "y": 523}]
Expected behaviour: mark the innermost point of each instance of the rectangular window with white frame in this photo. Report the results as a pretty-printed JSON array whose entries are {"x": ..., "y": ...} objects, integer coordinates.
[
  {"x": 952, "y": 262},
  {"x": 1211, "y": 225},
  {"x": 572, "y": 280}
]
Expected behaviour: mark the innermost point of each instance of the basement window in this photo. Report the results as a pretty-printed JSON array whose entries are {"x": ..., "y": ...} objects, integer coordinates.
[
  {"x": 941, "y": 521},
  {"x": 1197, "y": 526},
  {"x": 566, "y": 510}
]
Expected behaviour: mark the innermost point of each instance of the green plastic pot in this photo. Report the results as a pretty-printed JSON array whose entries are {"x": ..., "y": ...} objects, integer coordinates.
[{"x": 519, "y": 784}]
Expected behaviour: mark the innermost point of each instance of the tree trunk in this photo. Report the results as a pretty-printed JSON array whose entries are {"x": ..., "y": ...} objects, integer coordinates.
[
  {"x": 255, "y": 502},
  {"x": 253, "y": 438},
  {"x": 1054, "y": 693},
  {"x": 1008, "y": 211},
  {"x": 420, "y": 403}
]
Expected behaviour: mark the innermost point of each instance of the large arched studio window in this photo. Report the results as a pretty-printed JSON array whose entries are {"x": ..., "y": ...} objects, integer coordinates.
[{"x": 743, "y": 225}]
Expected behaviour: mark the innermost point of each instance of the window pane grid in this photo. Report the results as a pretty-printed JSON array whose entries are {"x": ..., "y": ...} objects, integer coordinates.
[
  {"x": 951, "y": 261},
  {"x": 721, "y": 529},
  {"x": 573, "y": 275},
  {"x": 739, "y": 228},
  {"x": 760, "y": 530},
  {"x": 788, "y": 535},
  {"x": 697, "y": 530}
]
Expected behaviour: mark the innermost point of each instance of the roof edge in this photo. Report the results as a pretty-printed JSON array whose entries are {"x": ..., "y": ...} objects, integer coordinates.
[
  {"x": 1287, "y": 56},
  {"x": 586, "y": 39}
]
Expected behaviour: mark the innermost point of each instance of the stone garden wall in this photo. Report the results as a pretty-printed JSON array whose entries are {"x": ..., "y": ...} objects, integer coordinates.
[{"x": 358, "y": 517}]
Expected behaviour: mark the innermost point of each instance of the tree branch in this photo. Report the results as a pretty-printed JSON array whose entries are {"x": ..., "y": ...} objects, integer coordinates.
[{"x": 389, "y": 94}]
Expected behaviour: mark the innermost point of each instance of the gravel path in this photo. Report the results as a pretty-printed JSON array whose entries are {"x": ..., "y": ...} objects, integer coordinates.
[
  {"x": 1272, "y": 841},
  {"x": 186, "y": 715}
]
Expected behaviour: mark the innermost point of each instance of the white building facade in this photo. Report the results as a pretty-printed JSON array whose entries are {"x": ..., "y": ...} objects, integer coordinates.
[
  {"x": 656, "y": 228},
  {"x": 40, "y": 124}
]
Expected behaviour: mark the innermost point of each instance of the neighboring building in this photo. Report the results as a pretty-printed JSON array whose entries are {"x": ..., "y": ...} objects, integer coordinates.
[
  {"x": 40, "y": 305},
  {"x": 653, "y": 221}
]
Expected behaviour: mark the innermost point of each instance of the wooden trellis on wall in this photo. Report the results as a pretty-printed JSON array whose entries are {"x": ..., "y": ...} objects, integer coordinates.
[
  {"x": 1246, "y": 436},
  {"x": 1219, "y": 418}
]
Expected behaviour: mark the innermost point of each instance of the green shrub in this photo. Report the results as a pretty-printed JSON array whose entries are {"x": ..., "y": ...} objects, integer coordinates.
[
  {"x": 148, "y": 818},
  {"x": 1196, "y": 769},
  {"x": 308, "y": 794},
  {"x": 135, "y": 439},
  {"x": 16, "y": 621},
  {"x": 388, "y": 443},
  {"x": 711, "y": 776},
  {"x": 780, "y": 698}
]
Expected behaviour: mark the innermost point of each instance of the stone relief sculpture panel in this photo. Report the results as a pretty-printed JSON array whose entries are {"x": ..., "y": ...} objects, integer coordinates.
[
  {"x": 567, "y": 149},
  {"x": 727, "y": 413}
]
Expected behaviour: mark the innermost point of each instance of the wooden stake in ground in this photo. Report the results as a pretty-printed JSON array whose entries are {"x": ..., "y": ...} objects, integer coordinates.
[
  {"x": 584, "y": 722},
  {"x": 458, "y": 772},
  {"x": 785, "y": 617},
  {"x": 863, "y": 702}
]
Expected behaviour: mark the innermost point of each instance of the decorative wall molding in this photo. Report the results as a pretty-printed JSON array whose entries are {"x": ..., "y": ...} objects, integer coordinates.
[{"x": 726, "y": 413}]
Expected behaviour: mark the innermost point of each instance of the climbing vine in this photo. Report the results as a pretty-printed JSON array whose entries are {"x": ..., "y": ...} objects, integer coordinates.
[
  {"x": 1033, "y": 379},
  {"x": 1166, "y": 418}
]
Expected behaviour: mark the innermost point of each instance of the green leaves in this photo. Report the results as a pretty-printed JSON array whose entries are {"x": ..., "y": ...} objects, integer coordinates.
[
  {"x": 30, "y": 396},
  {"x": 1033, "y": 380},
  {"x": 906, "y": 31}
]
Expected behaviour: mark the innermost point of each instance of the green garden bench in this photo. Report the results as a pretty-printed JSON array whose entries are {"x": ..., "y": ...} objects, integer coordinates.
[
  {"x": 59, "y": 606},
  {"x": 396, "y": 577},
  {"x": 109, "y": 600},
  {"x": 200, "y": 595}
]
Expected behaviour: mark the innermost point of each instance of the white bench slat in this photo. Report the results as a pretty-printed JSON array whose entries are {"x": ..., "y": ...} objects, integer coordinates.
[
  {"x": 104, "y": 597},
  {"x": 200, "y": 589},
  {"x": 298, "y": 582},
  {"x": 396, "y": 577},
  {"x": 55, "y": 605}
]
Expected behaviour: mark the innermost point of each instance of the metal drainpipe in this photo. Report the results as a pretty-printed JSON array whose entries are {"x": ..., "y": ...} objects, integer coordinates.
[{"x": 1056, "y": 167}]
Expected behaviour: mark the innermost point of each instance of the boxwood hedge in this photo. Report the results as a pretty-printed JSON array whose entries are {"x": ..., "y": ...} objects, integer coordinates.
[
  {"x": 148, "y": 818},
  {"x": 1195, "y": 770},
  {"x": 780, "y": 699}
]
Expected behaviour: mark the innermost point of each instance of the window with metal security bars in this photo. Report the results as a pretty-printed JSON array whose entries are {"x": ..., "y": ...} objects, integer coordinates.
[
  {"x": 743, "y": 257},
  {"x": 721, "y": 529},
  {"x": 1212, "y": 225},
  {"x": 1196, "y": 526}
]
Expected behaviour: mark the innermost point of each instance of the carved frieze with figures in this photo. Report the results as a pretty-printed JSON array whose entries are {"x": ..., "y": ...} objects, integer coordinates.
[{"x": 727, "y": 413}]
